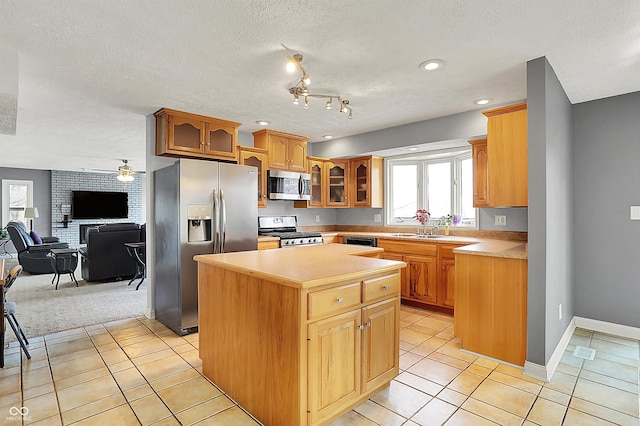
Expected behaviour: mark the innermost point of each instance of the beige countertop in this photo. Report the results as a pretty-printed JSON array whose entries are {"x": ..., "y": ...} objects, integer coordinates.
[
  {"x": 496, "y": 248},
  {"x": 305, "y": 266},
  {"x": 474, "y": 245}
]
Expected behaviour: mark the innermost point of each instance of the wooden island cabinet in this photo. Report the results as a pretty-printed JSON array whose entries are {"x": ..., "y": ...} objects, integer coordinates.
[{"x": 299, "y": 336}]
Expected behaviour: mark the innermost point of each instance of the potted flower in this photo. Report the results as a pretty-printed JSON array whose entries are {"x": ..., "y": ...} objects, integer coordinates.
[
  {"x": 423, "y": 217},
  {"x": 3, "y": 233},
  {"x": 446, "y": 221}
]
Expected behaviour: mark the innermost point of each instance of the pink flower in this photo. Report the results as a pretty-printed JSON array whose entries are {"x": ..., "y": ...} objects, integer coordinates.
[{"x": 422, "y": 216}]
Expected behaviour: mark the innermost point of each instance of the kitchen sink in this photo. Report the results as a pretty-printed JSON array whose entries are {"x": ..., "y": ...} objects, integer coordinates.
[
  {"x": 403, "y": 235},
  {"x": 427, "y": 236}
]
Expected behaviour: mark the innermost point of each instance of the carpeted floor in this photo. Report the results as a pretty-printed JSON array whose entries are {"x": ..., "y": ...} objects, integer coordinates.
[{"x": 42, "y": 310}]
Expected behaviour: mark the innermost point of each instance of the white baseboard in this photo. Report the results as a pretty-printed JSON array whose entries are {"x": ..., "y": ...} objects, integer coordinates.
[
  {"x": 150, "y": 313},
  {"x": 608, "y": 328},
  {"x": 545, "y": 372}
]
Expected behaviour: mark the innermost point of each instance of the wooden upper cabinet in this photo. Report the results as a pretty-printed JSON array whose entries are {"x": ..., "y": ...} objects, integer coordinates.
[
  {"x": 317, "y": 172},
  {"x": 337, "y": 183},
  {"x": 182, "y": 134},
  {"x": 366, "y": 182},
  {"x": 480, "y": 173},
  {"x": 507, "y": 156},
  {"x": 259, "y": 159},
  {"x": 286, "y": 151}
]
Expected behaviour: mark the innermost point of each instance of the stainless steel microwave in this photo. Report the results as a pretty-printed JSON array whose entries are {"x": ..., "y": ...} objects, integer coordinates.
[{"x": 284, "y": 185}]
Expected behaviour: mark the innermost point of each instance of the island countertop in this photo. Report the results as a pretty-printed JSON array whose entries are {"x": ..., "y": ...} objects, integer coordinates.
[{"x": 306, "y": 266}]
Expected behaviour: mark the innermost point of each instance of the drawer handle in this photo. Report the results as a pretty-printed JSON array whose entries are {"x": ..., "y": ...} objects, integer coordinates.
[
  {"x": 385, "y": 287},
  {"x": 340, "y": 300}
]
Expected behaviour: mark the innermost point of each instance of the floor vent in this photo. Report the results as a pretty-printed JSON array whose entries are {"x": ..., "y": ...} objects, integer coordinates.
[{"x": 584, "y": 353}]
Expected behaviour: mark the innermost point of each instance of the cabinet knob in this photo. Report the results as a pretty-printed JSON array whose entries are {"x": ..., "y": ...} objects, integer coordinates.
[
  {"x": 340, "y": 300},
  {"x": 443, "y": 268},
  {"x": 385, "y": 287},
  {"x": 367, "y": 324},
  {"x": 475, "y": 193}
]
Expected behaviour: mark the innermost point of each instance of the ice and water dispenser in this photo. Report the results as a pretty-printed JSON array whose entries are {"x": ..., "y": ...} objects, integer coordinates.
[{"x": 199, "y": 218}]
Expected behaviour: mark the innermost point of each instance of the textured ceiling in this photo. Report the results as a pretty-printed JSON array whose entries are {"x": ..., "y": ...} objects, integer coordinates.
[{"x": 90, "y": 71}]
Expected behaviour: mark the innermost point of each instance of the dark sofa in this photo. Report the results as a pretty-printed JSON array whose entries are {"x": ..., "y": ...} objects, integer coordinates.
[
  {"x": 33, "y": 257},
  {"x": 105, "y": 258}
]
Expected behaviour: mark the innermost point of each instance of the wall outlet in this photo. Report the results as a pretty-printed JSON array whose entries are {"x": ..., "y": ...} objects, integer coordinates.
[
  {"x": 560, "y": 311},
  {"x": 635, "y": 212},
  {"x": 377, "y": 218},
  {"x": 501, "y": 220},
  {"x": 317, "y": 218}
]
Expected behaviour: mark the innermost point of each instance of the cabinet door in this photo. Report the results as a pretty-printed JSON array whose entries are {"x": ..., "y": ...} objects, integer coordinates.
[
  {"x": 447, "y": 289},
  {"x": 361, "y": 183},
  {"x": 259, "y": 161},
  {"x": 278, "y": 152},
  {"x": 404, "y": 285},
  {"x": 334, "y": 362},
  {"x": 480, "y": 174},
  {"x": 380, "y": 344},
  {"x": 220, "y": 140},
  {"x": 297, "y": 155},
  {"x": 337, "y": 184},
  {"x": 186, "y": 135},
  {"x": 507, "y": 157},
  {"x": 422, "y": 278},
  {"x": 316, "y": 169}
]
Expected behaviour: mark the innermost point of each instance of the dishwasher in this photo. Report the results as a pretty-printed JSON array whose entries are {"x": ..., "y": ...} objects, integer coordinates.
[{"x": 360, "y": 240}]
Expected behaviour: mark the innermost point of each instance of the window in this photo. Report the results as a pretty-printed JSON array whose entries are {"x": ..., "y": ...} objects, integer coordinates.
[
  {"x": 440, "y": 182},
  {"x": 16, "y": 196}
]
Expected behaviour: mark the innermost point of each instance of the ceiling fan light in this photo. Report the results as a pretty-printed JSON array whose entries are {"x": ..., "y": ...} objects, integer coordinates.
[
  {"x": 328, "y": 104},
  {"x": 349, "y": 116},
  {"x": 291, "y": 66},
  {"x": 306, "y": 103},
  {"x": 295, "y": 100},
  {"x": 306, "y": 79},
  {"x": 125, "y": 178}
]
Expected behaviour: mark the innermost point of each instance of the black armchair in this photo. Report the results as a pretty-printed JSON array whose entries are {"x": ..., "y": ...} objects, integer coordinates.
[
  {"x": 33, "y": 257},
  {"x": 105, "y": 257}
]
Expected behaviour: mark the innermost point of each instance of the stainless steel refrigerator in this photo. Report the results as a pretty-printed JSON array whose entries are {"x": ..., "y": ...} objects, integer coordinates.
[{"x": 200, "y": 207}]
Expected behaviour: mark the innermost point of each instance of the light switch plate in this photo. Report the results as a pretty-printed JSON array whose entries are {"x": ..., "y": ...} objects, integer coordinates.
[
  {"x": 377, "y": 218},
  {"x": 317, "y": 218},
  {"x": 501, "y": 220},
  {"x": 635, "y": 212}
]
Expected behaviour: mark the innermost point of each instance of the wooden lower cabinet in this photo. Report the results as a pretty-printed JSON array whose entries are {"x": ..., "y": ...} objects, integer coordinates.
[
  {"x": 268, "y": 245},
  {"x": 349, "y": 355},
  {"x": 298, "y": 356},
  {"x": 429, "y": 277},
  {"x": 491, "y": 306}
]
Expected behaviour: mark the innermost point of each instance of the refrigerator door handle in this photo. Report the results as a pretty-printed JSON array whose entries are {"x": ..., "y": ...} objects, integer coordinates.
[
  {"x": 216, "y": 209},
  {"x": 223, "y": 207}
]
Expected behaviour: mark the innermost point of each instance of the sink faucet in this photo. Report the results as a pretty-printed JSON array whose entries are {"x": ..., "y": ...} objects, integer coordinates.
[{"x": 435, "y": 230}]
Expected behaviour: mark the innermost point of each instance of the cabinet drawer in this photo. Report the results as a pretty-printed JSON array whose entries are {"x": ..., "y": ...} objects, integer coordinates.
[
  {"x": 446, "y": 250},
  {"x": 381, "y": 287},
  {"x": 424, "y": 249},
  {"x": 333, "y": 300}
]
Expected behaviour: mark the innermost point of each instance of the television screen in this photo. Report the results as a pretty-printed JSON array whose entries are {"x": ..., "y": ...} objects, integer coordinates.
[{"x": 99, "y": 205}]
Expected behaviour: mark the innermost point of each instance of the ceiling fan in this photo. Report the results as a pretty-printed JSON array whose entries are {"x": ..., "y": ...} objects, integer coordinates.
[{"x": 125, "y": 172}]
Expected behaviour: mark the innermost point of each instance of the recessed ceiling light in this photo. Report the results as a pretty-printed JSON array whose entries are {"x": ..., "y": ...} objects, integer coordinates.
[
  {"x": 432, "y": 64},
  {"x": 263, "y": 122},
  {"x": 327, "y": 136},
  {"x": 411, "y": 148},
  {"x": 482, "y": 101}
]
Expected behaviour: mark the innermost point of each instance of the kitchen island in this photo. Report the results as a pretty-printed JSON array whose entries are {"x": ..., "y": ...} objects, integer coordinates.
[{"x": 299, "y": 336}]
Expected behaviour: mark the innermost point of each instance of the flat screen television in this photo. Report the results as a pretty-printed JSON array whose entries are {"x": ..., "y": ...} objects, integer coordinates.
[{"x": 99, "y": 205}]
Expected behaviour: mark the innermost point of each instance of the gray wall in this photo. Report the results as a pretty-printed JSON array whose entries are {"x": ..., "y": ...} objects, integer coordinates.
[
  {"x": 550, "y": 281},
  {"x": 458, "y": 126},
  {"x": 606, "y": 179},
  {"x": 63, "y": 182},
  {"x": 306, "y": 217},
  {"x": 41, "y": 197}
]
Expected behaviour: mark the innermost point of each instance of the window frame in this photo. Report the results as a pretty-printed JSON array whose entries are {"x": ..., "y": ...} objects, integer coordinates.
[
  {"x": 454, "y": 156},
  {"x": 6, "y": 202}
]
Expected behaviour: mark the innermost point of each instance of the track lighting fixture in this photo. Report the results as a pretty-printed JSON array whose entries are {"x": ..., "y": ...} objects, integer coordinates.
[{"x": 300, "y": 89}]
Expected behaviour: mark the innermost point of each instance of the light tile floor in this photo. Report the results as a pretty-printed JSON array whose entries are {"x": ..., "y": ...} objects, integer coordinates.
[{"x": 138, "y": 371}]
